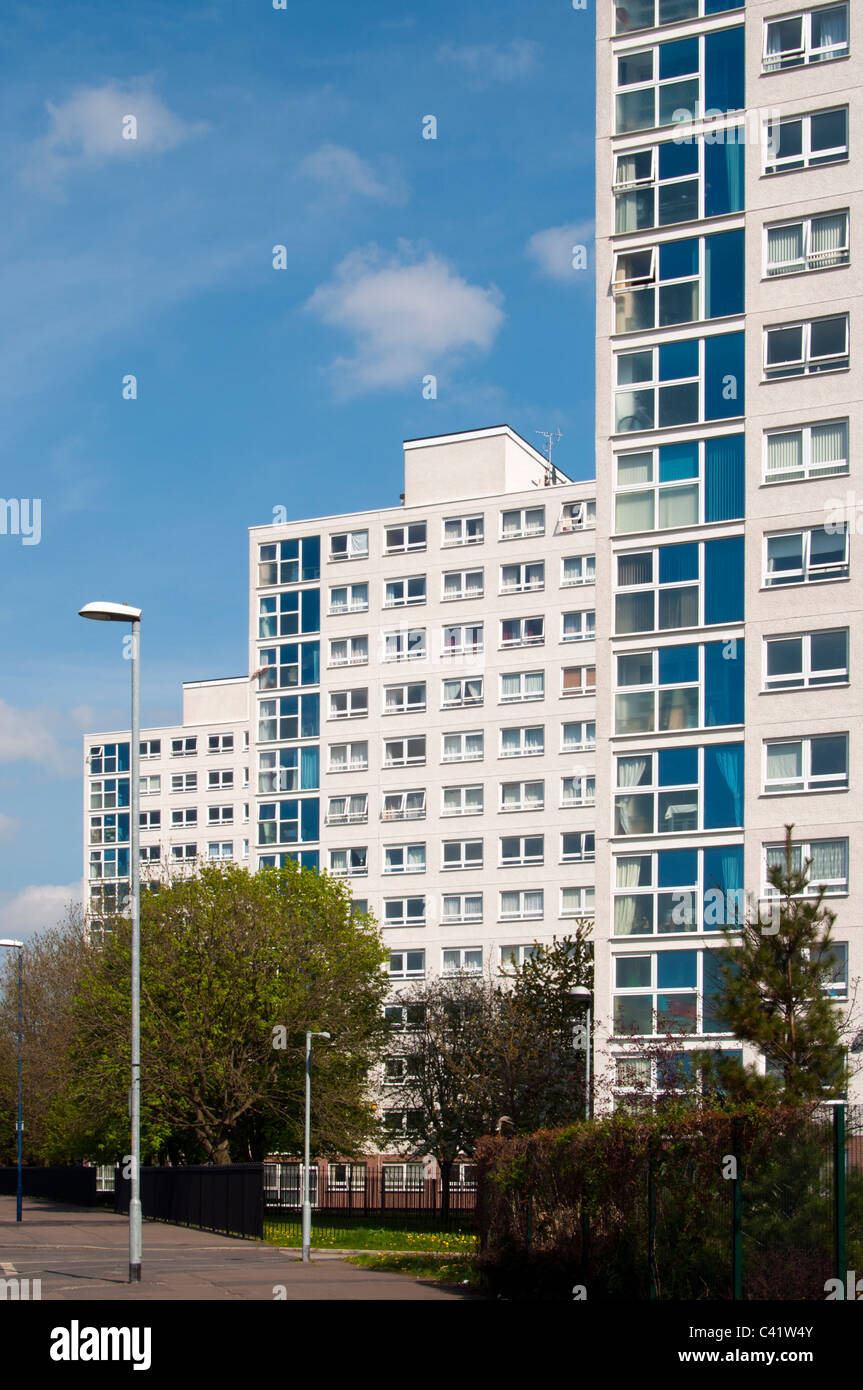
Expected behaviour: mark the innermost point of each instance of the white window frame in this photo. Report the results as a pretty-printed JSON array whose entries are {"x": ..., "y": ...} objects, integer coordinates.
[
  {"x": 585, "y": 629},
  {"x": 151, "y": 785},
  {"x": 463, "y": 591},
  {"x": 407, "y": 543},
  {"x": 522, "y": 697},
  {"x": 220, "y": 815},
  {"x": 406, "y": 600},
  {"x": 404, "y": 644},
  {"x": 466, "y": 963},
  {"x": 405, "y": 758},
  {"x": 351, "y": 815},
  {"x": 585, "y": 742},
  {"x": 351, "y": 658},
  {"x": 821, "y": 782},
  {"x": 774, "y": 164},
  {"x": 462, "y": 639},
  {"x": 220, "y": 779},
  {"x": 352, "y": 552},
  {"x": 184, "y": 818},
  {"x": 457, "y": 909},
  {"x": 587, "y": 565},
  {"x": 529, "y": 521},
  {"x": 587, "y": 854},
  {"x": 809, "y": 260},
  {"x": 807, "y": 573},
  {"x": 522, "y": 858},
  {"x": 585, "y": 687},
  {"x": 518, "y": 911},
  {"x": 581, "y": 793},
  {"x": 356, "y": 599},
  {"x": 403, "y": 919},
  {"x": 184, "y": 747},
  {"x": 403, "y": 970},
  {"x": 535, "y": 640},
  {"x": 473, "y": 810},
  {"x": 463, "y": 700},
  {"x": 808, "y": 469},
  {"x": 808, "y": 365},
  {"x": 350, "y": 862},
  {"x": 465, "y": 525},
  {"x": 399, "y": 809},
  {"x": 464, "y": 859},
  {"x": 150, "y": 748},
  {"x": 835, "y": 887},
  {"x": 188, "y": 781},
  {"x": 523, "y": 580},
  {"x": 522, "y": 750},
  {"x": 349, "y": 712},
  {"x": 405, "y": 705},
  {"x": 391, "y": 863},
  {"x": 522, "y": 805},
  {"x": 826, "y": 677},
  {"x": 584, "y": 895},
  {"x": 577, "y": 516},
  {"x": 462, "y": 756},
  {"x": 515, "y": 956},
  {"x": 356, "y": 756},
  {"x": 805, "y": 54},
  {"x": 224, "y": 851}
]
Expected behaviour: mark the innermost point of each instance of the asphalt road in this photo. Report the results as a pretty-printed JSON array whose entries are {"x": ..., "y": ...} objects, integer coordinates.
[{"x": 82, "y": 1254}]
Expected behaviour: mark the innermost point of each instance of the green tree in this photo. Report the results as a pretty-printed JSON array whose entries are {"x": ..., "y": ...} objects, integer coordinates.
[
  {"x": 234, "y": 968},
  {"x": 772, "y": 990}
]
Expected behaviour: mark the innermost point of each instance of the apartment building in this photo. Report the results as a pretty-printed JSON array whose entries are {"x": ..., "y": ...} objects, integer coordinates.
[{"x": 728, "y": 573}]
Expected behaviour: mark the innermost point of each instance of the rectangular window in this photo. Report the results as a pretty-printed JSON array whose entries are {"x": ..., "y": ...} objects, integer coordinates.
[
  {"x": 579, "y": 735},
  {"x": 648, "y": 14},
  {"x": 809, "y": 243},
  {"x": 111, "y": 757},
  {"x": 513, "y": 956},
  {"x": 518, "y": 579},
  {"x": 288, "y": 822},
  {"x": 220, "y": 743},
  {"x": 687, "y": 382},
  {"x": 349, "y": 545},
  {"x": 522, "y": 521},
  {"x": 462, "y": 639},
  {"x": 693, "y": 74},
  {"x": 461, "y": 854},
  {"x": 220, "y": 815},
  {"x": 578, "y": 626},
  {"x": 522, "y": 796},
  {"x": 575, "y": 516},
  {"x": 457, "y": 693},
  {"x": 463, "y": 584},
  {"x": 150, "y": 854},
  {"x": 462, "y": 801},
  {"x": 184, "y": 782},
  {"x": 406, "y": 963},
  {"x": 795, "y": 661},
  {"x": 578, "y": 680},
  {"x": 288, "y": 770},
  {"x": 815, "y": 36},
  {"x": 410, "y": 805},
  {"x": 349, "y": 757},
  {"x": 679, "y": 789},
  {"x": 517, "y": 851},
  {"x": 183, "y": 747},
  {"x": 521, "y": 905},
  {"x": 806, "y": 557},
  {"x": 398, "y": 539},
  {"x": 288, "y": 614},
  {"x": 699, "y": 685},
  {"x": 810, "y": 451},
  {"x": 577, "y": 902},
  {"x": 398, "y": 1070},
  {"x": 827, "y": 860},
  {"x": 577, "y": 791},
  {"x": 660, "y": 993},
  {"x": 463, "y": 530},
  {"x": 405, "y": 644},
  {"x": 461, "y": 907},
  {"x": 673, "y": 891},
  {"x": 466, "y": 959},
  {"x": 405, "y": 859},
  {"x": 801, "y": 349},
  {"x": 349, "y": 704},
  {"x": 150, "y": 786},
  {"x": 348, "y": 810},
  {"x": 577, "y": 847},
  {"x": 819, "y": 763},
  {"x": 680, "y": 180},
  {"x": 290, "y": 716},
  {"x": 405, "y": 752},
  {"x": 349, "y": 651},
  {"x": 679, "y": 282},
  {"x": 284, "y": 668},
  {"x": 462, "y": 747},
  {"x": 804, "y": 142},
  {"x": 401, "y": 593},
  {"x": 404, "y": 912},
  {"x": 347, "y": 863},
  {"x": 404, "y": 699},
  {"x": 577, "y": 569},
  {"x": 112, "y": 792},
  {"x": 523, "y": 742},
  {"x": 522, "y": 632},
  {"x": 220, "y": 850},
  {"x": 518, "y": 686},
  {"x": 184, "y": 854},
  {"x": 108, "y": 830},
  {"x": 184, "y": 818},
  {"x": 681, "y": 484},
  {"x": 289, "y": 562},
  {"x": 150, "y": 748},
  {"x": 694, "y": 584},
  {"x": 109, "y": 863},
  {"x": 348, "y": 598}
]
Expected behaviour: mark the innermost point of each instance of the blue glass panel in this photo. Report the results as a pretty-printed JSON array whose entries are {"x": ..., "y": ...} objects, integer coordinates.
[
  {"x": 310, "y": 818},
  {"x": 122, "y": 827},
  {"x": 717, "y": 6},
  {"x": 723, "y": 682},
  {"x": 122, "y": 863},
  {"x": 290, "y": 550},
  {"x": 309, "y": 859},
  {"x": 724, "y": 478},
  {"x": 288, "y": 810},
  {"x": 678, "y": 259},
  {"x": 724, "y": 70},
  {"x": 676, "y": 161},
  {"x": 310, "y": 716},
  {"x": 724, "y": 380},
  {"x": 723, "y": 274},
  {"x": 309, "y": 769},
  {"x": 723, "y": 785},
  {"x": 678, "y": 767},
  {"x": 678, "y": 665},
  {"x": 122, "y": 757},
  {"x": 311, "y": 557},
  {"x": 311, "y": 620},
  {"x": 723, "y": 177},
  {"x": 723, "y": 580},
  {"x": 677, "y": 867},
  {"x": 311, "y": 664},
  {"x": 712, "y": 987},
  {"x": 678, "y": 58},
  {"x": 123, "y": 792},
  {"x": 723, "y": 875},
  {"x": 678, "y": 461},
  {"x": 679, "y": 360},
  {"x": 632, "y": 972},
  {"x": 678, "y": 563},
  {"x": 676, "y": 969}
]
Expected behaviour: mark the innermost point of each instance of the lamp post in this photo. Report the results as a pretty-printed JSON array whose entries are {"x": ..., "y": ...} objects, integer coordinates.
[
  {"x": 19, "y": 1190},
  {"x": 581, "y": 994},
  {"x": 307, "y": 1206},
  {"x": 122, "y": 613}
]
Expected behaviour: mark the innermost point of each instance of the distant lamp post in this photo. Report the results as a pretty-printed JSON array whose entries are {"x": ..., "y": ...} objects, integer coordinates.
[
  {"x": 581, "y": 995},
  {"x": 19, "y": 1190},
  {"x": 307, "y": 1205},
  {"x": 122, "y": 613}
]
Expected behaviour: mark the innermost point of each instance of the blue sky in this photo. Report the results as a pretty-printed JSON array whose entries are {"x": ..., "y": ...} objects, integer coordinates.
[{"x": 256, "y": 387}]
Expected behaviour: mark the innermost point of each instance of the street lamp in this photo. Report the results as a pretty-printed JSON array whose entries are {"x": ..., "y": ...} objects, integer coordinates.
[
  {"x": 122, "y": 613},
  {"x": 307, "y": 1206},
  {"x": 581, "y": 994},
  {"x": 19, "y": 946}
]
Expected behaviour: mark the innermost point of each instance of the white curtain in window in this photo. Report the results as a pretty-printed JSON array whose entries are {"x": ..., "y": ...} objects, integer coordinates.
[
  {"x": 533, "y": 902},
  {"x": 785, "y": 452},
  {"x": 473, "y": 746},
  {"x": 678, "y": 506},
  {"x": 510, "y": 742},
  {"x": 394, "y": 698},
  {"x": 829, "y": 861},
  {"x": 451, "y": 585},
  {"x": 473, "y": 583},
  {"x": 829, "y": 239},
  {"x": 785, "y": 247},
  {"x": 511, "y": 523},
  {"x": 415, "y": 801},
  {"x": 473, "y": 799},
  {"x": 533, "y": 794},
  {"x": 359, "y": 542},
  {"x": 830, "y": 443},
  {"x": 338, "y": 758},
  {"x": 416, "y": 857},
  {"x": 830, "y": 27},
  {"x": 508, "y": 904},
  {"x": 784, "y": 762},
  {"x": 572, "y": 624},
  {"x": 510, "y": 685},
  {"x": 534, "y": 740}
]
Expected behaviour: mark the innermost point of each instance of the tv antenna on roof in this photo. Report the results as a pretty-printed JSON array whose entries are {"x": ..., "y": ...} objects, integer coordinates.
[{"x": 551, "y": 437}]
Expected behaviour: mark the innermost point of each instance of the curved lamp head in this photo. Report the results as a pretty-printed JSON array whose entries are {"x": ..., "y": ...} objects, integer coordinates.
[
  {"x": 579, "y": 992},
  {"x": 7, "y": 941},
  {"x": 110, "y": 613}
]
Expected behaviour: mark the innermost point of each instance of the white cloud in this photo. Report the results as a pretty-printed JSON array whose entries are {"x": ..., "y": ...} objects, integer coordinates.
[
  {"x": 28, "y": 736},
  {"x": 345, "y": 172},
  {"x": 406, "y": 315},
  {"x": 37, "y": 908},
  {"x": 552, "y": 250},
  {"x": 88, "y": 129},
  {"x": 495, "y": 62}
]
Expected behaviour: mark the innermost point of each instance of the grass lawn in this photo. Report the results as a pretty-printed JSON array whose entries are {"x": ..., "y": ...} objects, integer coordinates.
[
  {"x": 375, "y": 1238},
  {"x": 444, "y": 1269}
]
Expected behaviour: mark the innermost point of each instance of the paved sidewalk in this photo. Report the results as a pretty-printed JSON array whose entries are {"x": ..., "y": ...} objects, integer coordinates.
[{"x": 81, "y": 1253}]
